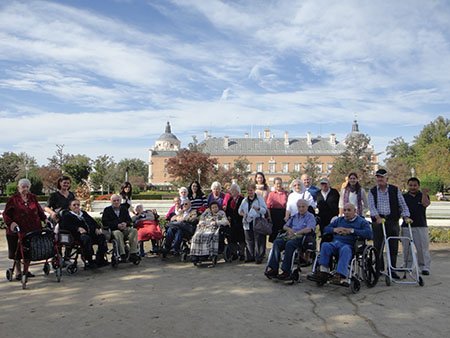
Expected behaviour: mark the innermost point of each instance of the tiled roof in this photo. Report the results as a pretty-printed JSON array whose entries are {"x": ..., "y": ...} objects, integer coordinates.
[
  {"x": 164, "y": 153},
  {"x": 271, "y": 146}
]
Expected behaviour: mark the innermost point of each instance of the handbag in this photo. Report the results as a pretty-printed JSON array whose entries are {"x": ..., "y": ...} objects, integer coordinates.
[{"x": 262, "y": 226}]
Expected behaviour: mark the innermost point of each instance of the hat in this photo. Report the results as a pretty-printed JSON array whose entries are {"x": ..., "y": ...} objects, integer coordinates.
[
  {"x": 381, "y": 172},
  {"x": 324, "y": 180}
]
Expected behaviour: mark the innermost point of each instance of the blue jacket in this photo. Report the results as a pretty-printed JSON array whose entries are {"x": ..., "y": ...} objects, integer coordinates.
[{"x": 361, "y": 226}]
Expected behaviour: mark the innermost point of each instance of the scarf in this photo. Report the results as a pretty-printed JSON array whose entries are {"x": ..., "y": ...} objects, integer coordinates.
[{"x": 347, "y": 191}]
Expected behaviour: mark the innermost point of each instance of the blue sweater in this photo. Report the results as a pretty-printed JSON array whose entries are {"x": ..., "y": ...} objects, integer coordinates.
[{"x": 361, "y": 226}]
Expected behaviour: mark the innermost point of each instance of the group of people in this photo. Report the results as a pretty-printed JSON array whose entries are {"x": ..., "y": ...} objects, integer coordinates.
[{"x": 294, "y": 214}]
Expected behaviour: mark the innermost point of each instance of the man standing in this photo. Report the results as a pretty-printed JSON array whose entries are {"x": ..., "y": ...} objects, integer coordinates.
[
  {"x": 327, "y": 203},
  {"x": 386, "y": 202},
  {"x": 312, "y": 189},
  {"x": 417, "y": 202}
]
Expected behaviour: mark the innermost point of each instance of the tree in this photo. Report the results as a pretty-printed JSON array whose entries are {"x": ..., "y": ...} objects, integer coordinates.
[
  {"x": 59, "y": 159},
  {"x": 357, "y": 157},
  {"x": 49, "y": 177},
  {"x": 78, "y": 167},
  {"x": 134, "y": 167},
  {"x": 399, "y": 162},
  {"x": 9, "y": 168},
  {"x": 104, "y": 175},
  {"x": 183, "y": 168},
  {"x": 432, "y": 149},
  {"x": 311, "y": 168},
  {"x": 241, "y": 171}
]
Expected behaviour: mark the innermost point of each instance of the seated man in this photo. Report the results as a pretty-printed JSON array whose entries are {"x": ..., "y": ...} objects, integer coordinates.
[
  {"x": 117, "y": 219},
  {"x": 345, "y": 230},
  {"x": 85, "y": 230},
  {"x": 301, "y": 224},
  {"x": 180, "y": 224}
]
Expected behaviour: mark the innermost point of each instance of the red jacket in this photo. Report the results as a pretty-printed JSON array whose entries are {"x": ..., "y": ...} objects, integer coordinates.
[{"x": 27, "y": 215}]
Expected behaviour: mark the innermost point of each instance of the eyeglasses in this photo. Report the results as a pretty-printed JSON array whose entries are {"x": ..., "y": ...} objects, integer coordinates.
[{"x": 185, "y": 203}]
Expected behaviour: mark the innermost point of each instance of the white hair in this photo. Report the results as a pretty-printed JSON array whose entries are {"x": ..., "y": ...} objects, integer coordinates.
[
  {"x": 24, "y": 181},
  {"x": 291, "y": 186},
  {"x": 216, "y": 184},
  {"x": 235, "y": 186},
  {"x": 113, "y": 196},
  {"x": 137, "y": 206},
  {"x": 182, "y": 189}
]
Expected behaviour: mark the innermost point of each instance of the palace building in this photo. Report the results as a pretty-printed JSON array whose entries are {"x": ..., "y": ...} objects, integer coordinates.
[{"x": 273, "y": 156}]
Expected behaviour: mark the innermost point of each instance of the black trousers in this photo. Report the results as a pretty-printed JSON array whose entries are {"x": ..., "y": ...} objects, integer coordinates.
[
  {"x": 86, "y": 242},
  {"x": 392, "y": 229},
  {"x": 277, "y": 216}
]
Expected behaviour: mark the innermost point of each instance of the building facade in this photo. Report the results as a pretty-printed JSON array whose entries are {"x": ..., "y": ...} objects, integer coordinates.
[{"x": 275, "y": 157}]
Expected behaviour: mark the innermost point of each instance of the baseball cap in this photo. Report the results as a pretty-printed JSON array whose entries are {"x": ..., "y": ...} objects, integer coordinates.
[
  {"x": 381, "y": 172},
  {"x": 324, "y": 180}
]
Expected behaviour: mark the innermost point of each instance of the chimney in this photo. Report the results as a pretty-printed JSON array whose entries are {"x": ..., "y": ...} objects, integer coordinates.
[
  {"x": 308, "y": 139},
  {"x": 205, "y": 134},
  {"x": 259, "y": 134},
  {"x": 226, "y": 140},
  {"x": 267, "y": 133},
  {"x": 333, "y": 139},
  {"x": 286, "y": 139},
  {"x": 246, "y": 135}
]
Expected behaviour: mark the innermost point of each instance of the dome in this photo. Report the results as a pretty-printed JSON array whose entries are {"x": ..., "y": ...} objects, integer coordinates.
[{"x": 168, "y": 136}]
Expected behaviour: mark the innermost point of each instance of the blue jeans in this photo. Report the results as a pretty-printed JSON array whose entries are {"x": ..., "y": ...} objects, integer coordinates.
[
  {"x": 289, "y": 246},
  {"x": 174, "y": 235},
  {"x": 337, "y": 249}
]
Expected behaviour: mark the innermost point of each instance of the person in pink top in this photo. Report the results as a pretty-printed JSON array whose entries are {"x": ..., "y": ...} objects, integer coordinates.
[{"x": 276, "y": 202}]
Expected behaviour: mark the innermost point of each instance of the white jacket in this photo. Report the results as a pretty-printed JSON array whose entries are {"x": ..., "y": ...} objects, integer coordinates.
[{"x": 250, "y": 215}]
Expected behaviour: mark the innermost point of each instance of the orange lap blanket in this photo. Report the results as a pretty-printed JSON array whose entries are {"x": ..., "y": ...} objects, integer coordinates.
[{"x": 148, "y": 230}]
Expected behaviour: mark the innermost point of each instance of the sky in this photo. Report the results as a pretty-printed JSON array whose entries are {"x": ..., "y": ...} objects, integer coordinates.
[{"x": 104, "y": 76}]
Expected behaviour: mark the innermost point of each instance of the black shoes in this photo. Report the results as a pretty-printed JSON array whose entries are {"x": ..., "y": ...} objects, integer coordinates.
[
  {"x": 284, "y": 276},
  {"x": 270, "y": 274},
  {"x": 425, "y": 272}
]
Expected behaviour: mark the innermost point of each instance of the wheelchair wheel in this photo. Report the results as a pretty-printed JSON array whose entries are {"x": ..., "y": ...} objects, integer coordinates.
[
  {"x": 369, "y": 266},
  {"x": 355, "y": 285},
  {"x": 9, "y": 274},
  {"x": 295, "y": 276},
  {"x": 71, "y": 269},
  {"x": 387, "y": 280},
  {"x": 214, "y": 260},
  {"x": 58, "y": 273},
  {"x": 46, "y": 268},
  {"x": 114, "y": 261},
  {"x": 183, "y": 256}
]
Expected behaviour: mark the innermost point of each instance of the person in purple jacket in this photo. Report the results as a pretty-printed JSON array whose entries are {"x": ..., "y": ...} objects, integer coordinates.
[{"x": 345, "y": 231}]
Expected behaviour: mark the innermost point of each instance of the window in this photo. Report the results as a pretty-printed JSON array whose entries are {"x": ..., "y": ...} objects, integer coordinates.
[
  {"x": 297, "y": 166},
  {"x": 329, "y": 166},
  {"x": 285, "y": 168},
  {"x": 319, "y": 167},
  {"x": 259, "y": 167},
  {"x": 226, "y": 166},
  {"x": 249, "y": 167},
  {"x": 272, "y": 168}
]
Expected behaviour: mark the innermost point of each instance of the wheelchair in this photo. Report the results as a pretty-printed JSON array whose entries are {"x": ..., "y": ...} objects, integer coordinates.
[
  {"x": 303, "y": 256},
  {"x": 72, "y": 250},
  {"x": 115, "y": 254},
  {"x": 362, "y": 267},
  {"x": 224, "y": 250}
]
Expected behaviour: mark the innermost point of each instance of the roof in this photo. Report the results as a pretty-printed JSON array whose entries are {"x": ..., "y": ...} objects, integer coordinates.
[
  {"x": 271, "y": 146},
  {"x": 167, "y": 135}
]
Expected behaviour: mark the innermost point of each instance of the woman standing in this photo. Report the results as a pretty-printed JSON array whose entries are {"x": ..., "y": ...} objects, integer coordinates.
[
  {"x": 126, "y": 191},
  {"x": 262, "y": 189},
  {"x": 298, "y": 192},
  {"x": 276, "y": 202},
  {"x": 59, "y": 200},
  {"x": 253, "y": 206},
  {"x": 197, "y": 197},
  {"x": 237, "y": 236},
  {"x": 24, "y": 211},
  {"x": 353, "y": 193},
  {"x": 216, "y": 194}
]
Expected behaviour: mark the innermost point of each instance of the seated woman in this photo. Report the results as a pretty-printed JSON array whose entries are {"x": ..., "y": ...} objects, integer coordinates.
[
  {"x": 205, "y": 241},
  {"x": 146, "y": 223},
  {"x": 301, "y": 224},
  {"x": 181, "y": 225},
  {"x": 87, "y": 232},
  {"x": 173, "y": 211}
]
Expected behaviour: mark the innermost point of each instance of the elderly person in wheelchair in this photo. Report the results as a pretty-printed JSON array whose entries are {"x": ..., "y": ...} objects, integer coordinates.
[
  {"x": 299, "y": 228},
  {"x": 344, "y": 232}
]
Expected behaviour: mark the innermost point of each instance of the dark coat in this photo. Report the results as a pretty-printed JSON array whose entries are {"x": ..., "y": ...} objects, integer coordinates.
[
  {"x": 111, "y": 221},
  {"x": 327, "y": 208}
]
